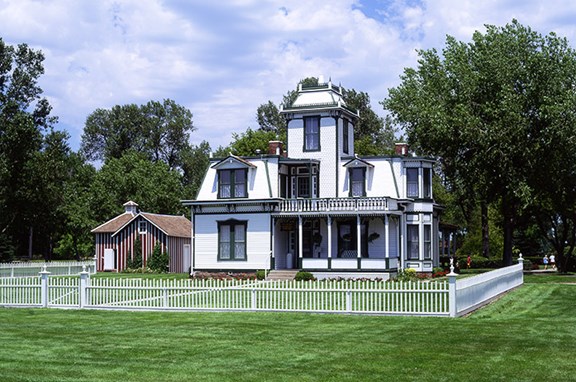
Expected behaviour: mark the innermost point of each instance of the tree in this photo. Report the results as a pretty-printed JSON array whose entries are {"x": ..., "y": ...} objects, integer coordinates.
[
  {"x": 133, "y": 177},
  {"x": 491, "y": 111},
  {"x": 161, "y": 131},
  {"x": 195, "y": 161},
  {"x": 252, "y": 142},
  {"x": 24, "y": 119},
  {"x": 373, "y": 135},
  {"x": 77, "y": 241}
]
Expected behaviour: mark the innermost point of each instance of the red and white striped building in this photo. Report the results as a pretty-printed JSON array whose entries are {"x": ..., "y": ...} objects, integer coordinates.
[{"x": 115, "y": 239}]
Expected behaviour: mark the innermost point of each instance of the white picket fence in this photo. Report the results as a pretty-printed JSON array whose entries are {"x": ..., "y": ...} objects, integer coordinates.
[
  {"x": 431, "y": 298},
  {"x": 32, "y": 268}
]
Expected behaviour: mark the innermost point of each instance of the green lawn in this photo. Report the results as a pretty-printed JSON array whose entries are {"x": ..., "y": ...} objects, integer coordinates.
[{"x": 528, "y": 335}]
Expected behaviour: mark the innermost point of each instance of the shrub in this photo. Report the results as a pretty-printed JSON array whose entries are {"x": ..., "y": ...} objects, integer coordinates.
[
  {"x": 134, "y": 260},
  {"x": 158, "y": 262},
  {"x": 260, "y": 275},
  {"x": 408, "y": 274},
  {"x": 304, "y": 276}
]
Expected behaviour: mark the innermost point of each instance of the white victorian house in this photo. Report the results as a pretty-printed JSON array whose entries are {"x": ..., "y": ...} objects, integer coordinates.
[{"x": 317, "y": 207}]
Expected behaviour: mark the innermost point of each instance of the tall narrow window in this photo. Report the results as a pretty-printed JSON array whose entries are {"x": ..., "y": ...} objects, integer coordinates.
[
  {"x": 311, "y": 133},
  {"x": 412, "y": 233},
  {"x": 232, "y": 240},
  {"x": 412, "y": 182},
  {"x": 427, "y": 183},
  {"x": 232, "y": 183},
  {"x": 345, "y": 139},
  {"x": 303, "y": 186},
  {"x": 427, "y": 242},
  {"x": 357, "y": 181}
]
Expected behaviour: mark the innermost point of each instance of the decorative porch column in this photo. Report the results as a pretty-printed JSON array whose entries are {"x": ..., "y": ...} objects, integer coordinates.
[
  {"x": 272, "y": 263},
  {"x": 386, "y": 237},
  {"x": 359, "y": 240},
  {"x": 401, "y": 226},
  {"x": 300, "y": 245},
  {"x": 329, "y": 228}
]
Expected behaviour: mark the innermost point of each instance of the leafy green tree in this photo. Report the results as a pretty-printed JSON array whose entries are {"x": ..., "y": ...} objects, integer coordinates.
[
  {"x": 251, "y": 142},
  {"x": 152, "y": 185},
  {"x": 77, "y": 240},
  {"x": 492, "y": 110},
  {"x": 195, "y": 161},
  {"x": 373, "y": 135},
  {"x": 24, "y": 120},
  {"x": 159, "y": 130}
]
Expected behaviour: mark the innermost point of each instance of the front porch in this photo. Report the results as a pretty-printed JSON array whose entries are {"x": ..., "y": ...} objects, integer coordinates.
[{"x": 337, "y": 235}]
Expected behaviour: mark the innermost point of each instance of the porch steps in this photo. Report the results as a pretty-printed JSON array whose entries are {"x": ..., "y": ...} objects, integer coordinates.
[{"x": 288, "y": 274}]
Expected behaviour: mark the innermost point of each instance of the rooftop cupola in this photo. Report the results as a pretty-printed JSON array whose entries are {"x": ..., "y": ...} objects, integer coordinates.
[
  {"x": 325, "y": 96},
  {"x": 130, "y": 207}
]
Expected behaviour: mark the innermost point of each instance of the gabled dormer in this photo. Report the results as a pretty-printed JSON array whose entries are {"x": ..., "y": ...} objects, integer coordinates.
[
  {"x": 357, "y": 174},
  {"x": 232, "y": 177}
]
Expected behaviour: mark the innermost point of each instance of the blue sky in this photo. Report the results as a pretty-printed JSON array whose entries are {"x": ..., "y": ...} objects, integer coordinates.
[{"x": 222, "y": 59}]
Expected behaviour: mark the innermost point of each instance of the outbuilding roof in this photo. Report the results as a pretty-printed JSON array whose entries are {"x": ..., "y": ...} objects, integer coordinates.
[{"x": 171, "y": 225}]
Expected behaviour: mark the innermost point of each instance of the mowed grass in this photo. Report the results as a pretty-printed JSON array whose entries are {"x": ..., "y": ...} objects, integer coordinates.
[{"x": 528, "y": 335}]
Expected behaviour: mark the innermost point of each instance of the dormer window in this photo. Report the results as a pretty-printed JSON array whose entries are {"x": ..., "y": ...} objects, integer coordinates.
[
  {"x": 232, "y": 183},
  {"x": 357, "y": 170},
  {"x": 311, "y": 133},
  {"x": 357, "y": 181}
]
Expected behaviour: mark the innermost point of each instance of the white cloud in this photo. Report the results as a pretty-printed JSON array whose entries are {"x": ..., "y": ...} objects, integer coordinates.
[{"x": 223, "y": 59}]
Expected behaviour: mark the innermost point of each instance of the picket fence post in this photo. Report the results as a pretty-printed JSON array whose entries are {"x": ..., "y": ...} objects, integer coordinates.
[
  {"x": 44, "y": 287},
  {"x": 83, "y": 284},
  {"x": 452, "y": 289}
]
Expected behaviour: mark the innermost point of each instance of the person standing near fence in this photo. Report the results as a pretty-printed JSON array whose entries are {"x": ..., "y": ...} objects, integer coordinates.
[
  {"x": 468, "y": 261},
  {"x": 553, "y": 262},
  {"x": 545, "y": 261}
]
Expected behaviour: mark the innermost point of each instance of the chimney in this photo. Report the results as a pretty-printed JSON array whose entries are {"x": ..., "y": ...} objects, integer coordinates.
[
  {"x": 401, "y": 148},
  {"x": 275, "y": 148},
  {"x": 130, "y": 208}
]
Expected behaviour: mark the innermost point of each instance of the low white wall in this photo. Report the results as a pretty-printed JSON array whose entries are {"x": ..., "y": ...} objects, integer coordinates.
[{"x": 474, "y": 292}]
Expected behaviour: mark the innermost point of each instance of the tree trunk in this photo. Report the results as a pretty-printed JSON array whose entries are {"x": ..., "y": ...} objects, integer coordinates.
[
  {"x": 30, "y": 237},
  {"x": 508, "y": 234},
  {"x": 485, "y": 230}
]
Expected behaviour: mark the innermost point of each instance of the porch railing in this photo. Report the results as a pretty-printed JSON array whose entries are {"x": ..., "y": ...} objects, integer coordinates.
[{"x": 333, "y": 204}]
